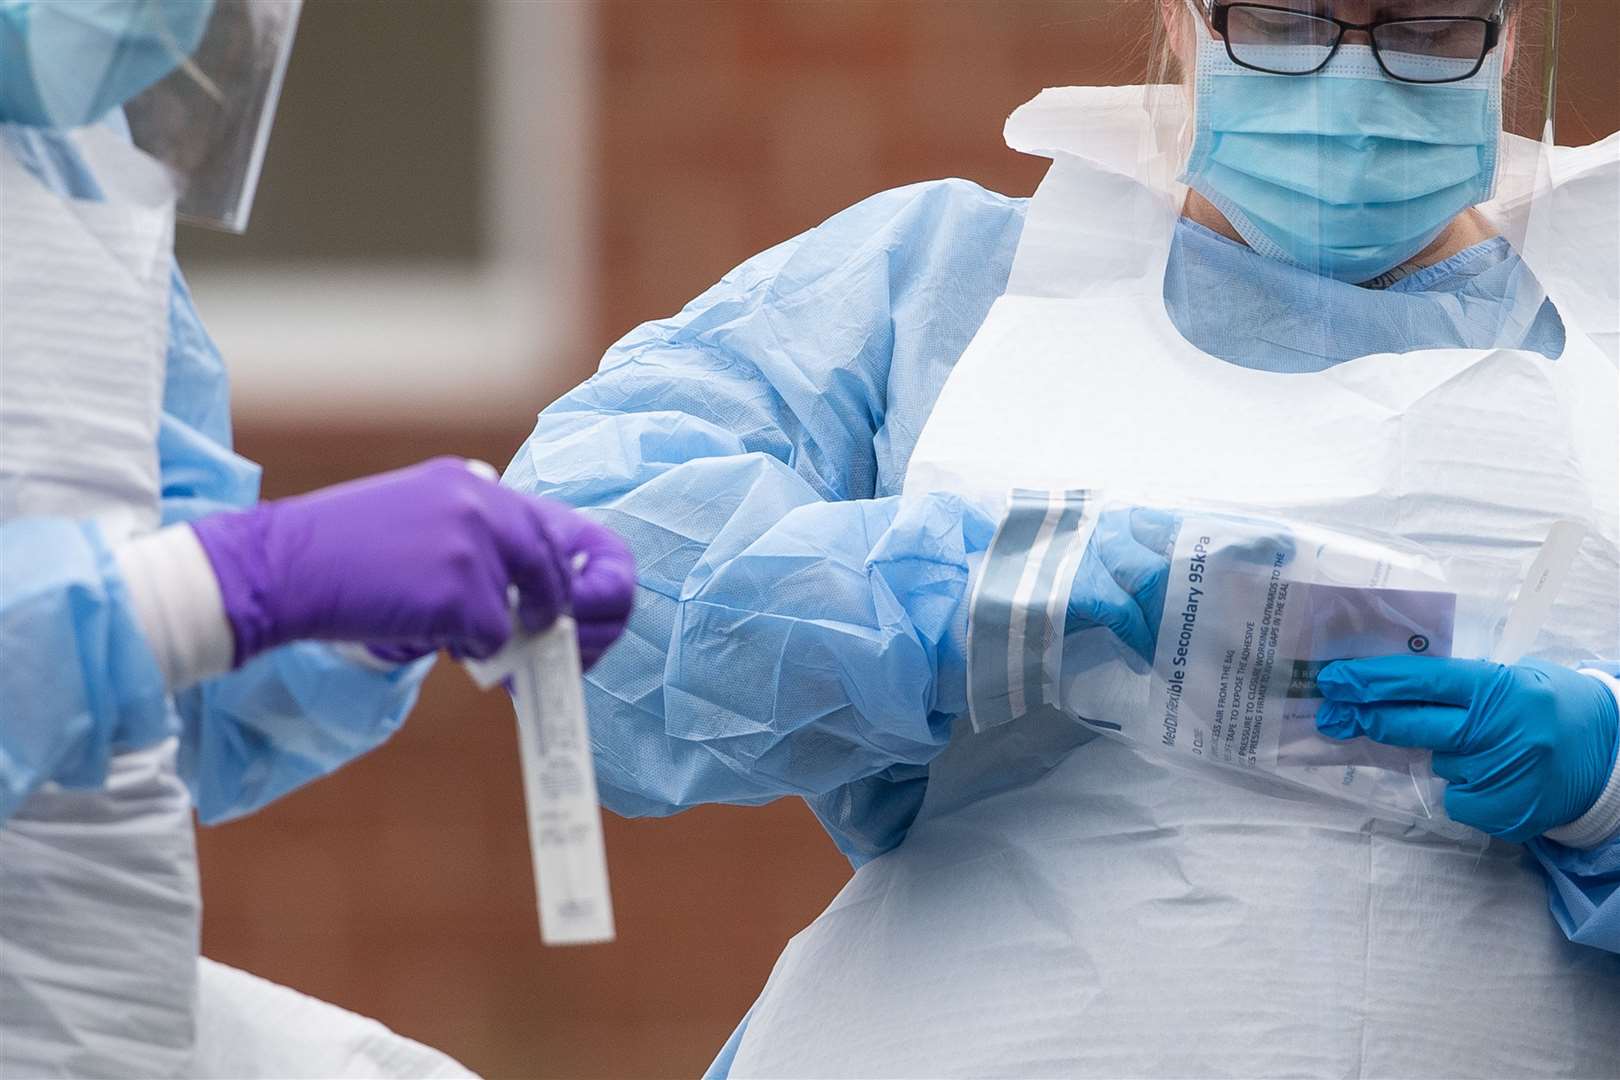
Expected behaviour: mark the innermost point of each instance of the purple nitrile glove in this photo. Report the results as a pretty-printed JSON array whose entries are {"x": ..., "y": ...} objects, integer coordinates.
[
  {"x": 604, "y": 579},
  {"x": 412, "y": 560}
]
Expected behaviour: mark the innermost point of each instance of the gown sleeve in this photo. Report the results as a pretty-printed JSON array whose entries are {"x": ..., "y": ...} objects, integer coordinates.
[
  {"x": 77, "y": 680},
  {"x": 1583, "y": 886},
  {"x": 799, "y": 626},
  {"x": 295, "y": 713}
]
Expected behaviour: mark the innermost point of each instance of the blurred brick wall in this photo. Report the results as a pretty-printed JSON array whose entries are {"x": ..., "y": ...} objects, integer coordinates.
[
  {"x": 730, "y": 125},
  {"x": 400, "y": 887}
]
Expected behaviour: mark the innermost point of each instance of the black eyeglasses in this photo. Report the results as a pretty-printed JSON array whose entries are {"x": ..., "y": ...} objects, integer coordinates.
[{"x": 1282, "y": 41}]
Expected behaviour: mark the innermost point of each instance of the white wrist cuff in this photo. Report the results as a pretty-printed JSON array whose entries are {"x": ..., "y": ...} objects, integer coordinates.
[
  {"x": 177, "y": 603},
  {"x": 1601, "y": 823}
]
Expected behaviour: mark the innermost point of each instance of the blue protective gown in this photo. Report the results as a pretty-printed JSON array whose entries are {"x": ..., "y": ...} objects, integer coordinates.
[
  {"x": 78, "y": 680},
  {"x": 797, "y": 630}
]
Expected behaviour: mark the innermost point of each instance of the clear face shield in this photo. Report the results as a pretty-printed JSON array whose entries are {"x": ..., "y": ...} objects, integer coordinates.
[
  {"x": 1357, "y": 138},
  {"x": 208, "y": 120}
]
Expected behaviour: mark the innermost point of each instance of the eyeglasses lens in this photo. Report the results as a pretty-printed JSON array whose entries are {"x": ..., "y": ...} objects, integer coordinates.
[
  {"x": 1431, "y": 50},
  {"x": 1294, "y": 42}
]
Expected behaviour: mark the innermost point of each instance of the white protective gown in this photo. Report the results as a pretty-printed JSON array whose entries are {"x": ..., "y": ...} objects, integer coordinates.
[
  {"x": 99, "y": 902},
  {"x": 1065, "y": 907},
  {"x": 99, "y": 905}
]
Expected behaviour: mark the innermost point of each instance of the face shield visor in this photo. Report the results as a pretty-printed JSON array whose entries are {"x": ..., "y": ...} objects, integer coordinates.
[
  {"x": 208, "y": 120},
  {"x": 1350, "y": 137},
  {"x": 197, "y": 81}
]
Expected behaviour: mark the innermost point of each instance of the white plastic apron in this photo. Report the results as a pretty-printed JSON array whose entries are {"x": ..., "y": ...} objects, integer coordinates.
[
  {"x": 248, "y": 1027},
  {"x": 99, "y": 906},
  {"x": 1066, "y": 907}
]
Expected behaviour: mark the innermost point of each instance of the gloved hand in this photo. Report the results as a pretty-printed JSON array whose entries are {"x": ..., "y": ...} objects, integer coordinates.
[
  {"x": 414, "y": 560},
  {"x": 1123, "y": 575},
  {"x": 1524, "y": 748},
  {"x": 603, "y": 585}
]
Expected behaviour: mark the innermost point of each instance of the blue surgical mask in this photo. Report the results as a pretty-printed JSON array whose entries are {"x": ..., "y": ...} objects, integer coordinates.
[
  {"x": 1346, "y": 172},
  {"x": 65, "y": 63}
]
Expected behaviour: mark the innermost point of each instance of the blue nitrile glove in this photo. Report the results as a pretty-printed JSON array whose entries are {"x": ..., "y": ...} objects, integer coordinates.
[
  {"x": 1123, "y": 575},
  {"x": 1524, "y": 748}
]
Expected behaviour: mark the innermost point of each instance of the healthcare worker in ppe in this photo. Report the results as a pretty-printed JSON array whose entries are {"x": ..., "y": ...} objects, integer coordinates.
[
  {"x": 167, "y": 642},
  {"x": 1316, "y": 269}
]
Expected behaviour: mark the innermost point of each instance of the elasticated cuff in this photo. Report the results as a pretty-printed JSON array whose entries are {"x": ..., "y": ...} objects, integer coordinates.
[
  {"x": 177, "y": 602},
  {"x": 1600, "y": 825}
]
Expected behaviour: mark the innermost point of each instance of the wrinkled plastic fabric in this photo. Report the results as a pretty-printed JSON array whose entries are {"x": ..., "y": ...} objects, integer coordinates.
[
  {"x": 249, "y": 1028},
  {"x": 98, "y": 905},
  {"x": 798, "y": 386},
  {"x": 98, "y": 884},
  {"x": 1327, "y": 322},
  {"x": 79, "y": 409},
  {"x": 793, "y": 630},
  {"x": 99, "y": 909},
  {"x": 1095, "y": 1000},
  {"x": 291, "y": 716},
  {"x": 62, "y": 597},
  {"x": 1109, "y": 915},
  {"x": 296, "y": 713},
  {"x": 1240, "y": 611},
  {"x": 299, "y": 712}
]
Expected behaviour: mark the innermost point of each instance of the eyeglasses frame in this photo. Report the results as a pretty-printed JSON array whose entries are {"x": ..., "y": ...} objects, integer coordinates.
[{"x": 1219, "y": 11}]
